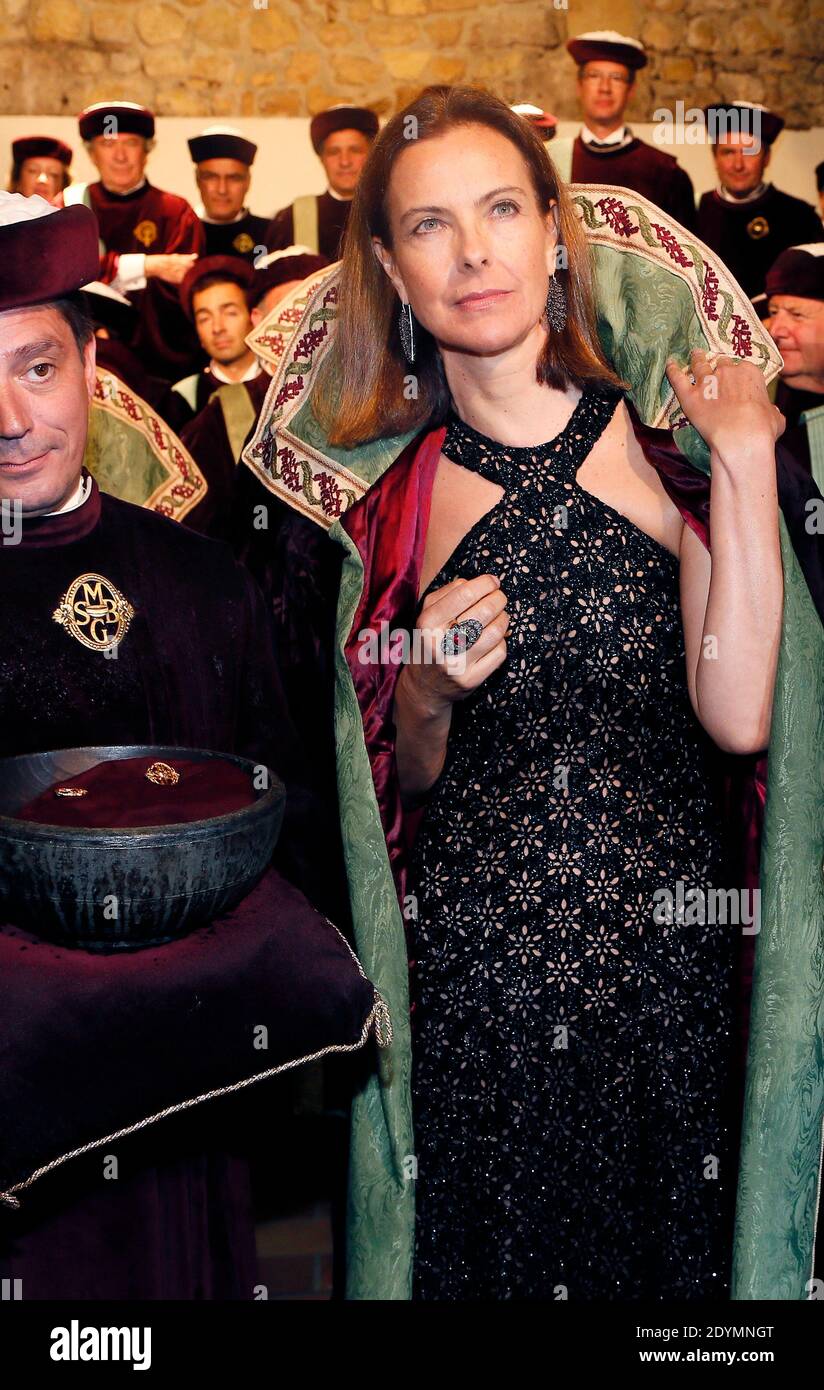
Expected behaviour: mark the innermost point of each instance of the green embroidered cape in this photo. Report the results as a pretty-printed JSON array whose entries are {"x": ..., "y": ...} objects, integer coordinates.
[{"x": 134, "y": 454}]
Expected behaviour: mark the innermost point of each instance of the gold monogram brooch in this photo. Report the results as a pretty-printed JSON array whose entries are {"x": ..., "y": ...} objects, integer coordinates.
[
  {"x": 758, "y": 228},
  {"x": 243, "y": 243},
  {"x": 94, "y": 612}
]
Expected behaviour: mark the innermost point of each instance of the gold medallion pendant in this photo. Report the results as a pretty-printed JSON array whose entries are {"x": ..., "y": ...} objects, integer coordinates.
[
  {"x": 758, "y": 228},
  {"x": 94, "y": 612},
  {"x": 146, "y": 232},
  {"x": 243, "y": 243}
]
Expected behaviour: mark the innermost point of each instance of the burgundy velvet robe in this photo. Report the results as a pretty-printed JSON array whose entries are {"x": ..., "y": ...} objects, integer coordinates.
[
  {"x": 206, "y": 439},
  {"x": 115, "y": 357},
  {"x": 649, "y": 171},
  {"x": 152, "y": 222}
]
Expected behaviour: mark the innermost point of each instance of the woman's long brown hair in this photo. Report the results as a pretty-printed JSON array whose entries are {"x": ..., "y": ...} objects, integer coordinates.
[{"x": 363, "y": 388}]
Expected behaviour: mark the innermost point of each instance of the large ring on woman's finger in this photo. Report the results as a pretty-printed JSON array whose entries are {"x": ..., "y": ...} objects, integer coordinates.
[{"x": 461, "y": 636}]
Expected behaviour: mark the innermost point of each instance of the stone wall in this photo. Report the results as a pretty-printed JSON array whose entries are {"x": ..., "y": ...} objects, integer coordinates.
[{"x": 221, "y": 58}]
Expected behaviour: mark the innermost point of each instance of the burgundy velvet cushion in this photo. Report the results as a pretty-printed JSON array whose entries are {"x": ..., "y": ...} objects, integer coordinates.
[
  {"x": 119, "y": 795},
  {"x": 90, "y": 1044}
]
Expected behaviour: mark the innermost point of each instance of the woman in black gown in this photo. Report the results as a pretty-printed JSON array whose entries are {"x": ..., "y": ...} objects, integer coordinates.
[
  {"x": 571, "y": 1045},
  {"x": 570, "y": 1057}
]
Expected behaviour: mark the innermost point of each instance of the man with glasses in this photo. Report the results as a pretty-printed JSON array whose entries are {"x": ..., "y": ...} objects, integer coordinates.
[
  {"x": 606, "y": 151},
  {"x": 223, "y": 160}
]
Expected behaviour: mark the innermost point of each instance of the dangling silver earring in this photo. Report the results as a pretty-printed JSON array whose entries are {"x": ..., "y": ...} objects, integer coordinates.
[
  {"x": 407, "y": 332},
  {"x": 556, "y": 305}
]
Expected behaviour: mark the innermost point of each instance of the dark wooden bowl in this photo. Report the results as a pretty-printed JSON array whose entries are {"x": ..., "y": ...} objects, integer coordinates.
[{"x": 164, "y": 880}]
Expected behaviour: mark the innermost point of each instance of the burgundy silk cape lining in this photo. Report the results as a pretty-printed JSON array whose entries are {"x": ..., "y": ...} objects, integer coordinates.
[{"x": 388, "y": 525}]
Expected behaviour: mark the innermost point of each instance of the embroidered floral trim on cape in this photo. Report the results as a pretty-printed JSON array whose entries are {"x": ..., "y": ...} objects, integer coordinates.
[{"x": 183, "y": 484}]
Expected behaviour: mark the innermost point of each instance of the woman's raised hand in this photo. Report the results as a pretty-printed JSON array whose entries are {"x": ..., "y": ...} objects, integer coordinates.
[
  {"x": 728, "y": 405},
  {"x": 434, "y": 680}
]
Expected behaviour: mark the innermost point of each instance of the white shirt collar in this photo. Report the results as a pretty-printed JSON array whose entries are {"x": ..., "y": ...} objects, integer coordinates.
[
  {"x": 80, "y": 495},
  {"x": 249, "y": 375},
  {"x": 748, "y": 197},
  {"x": 337, "y": 196},
  {"x": 200, "y": 212},
  {"x": 124, "y": 192},
  {"x": 614, "y": 138}
]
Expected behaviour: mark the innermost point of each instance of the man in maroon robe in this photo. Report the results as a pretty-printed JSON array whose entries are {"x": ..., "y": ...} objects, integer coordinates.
[
  {"x": 746, "y": 219},
  {"x": 149, "y": 238},
  {"x": 39, "y": 164},
  {"x": 341, "y": 138},
  {"x": 605, "y": 150},
  {"x": 223, "y": 160}
]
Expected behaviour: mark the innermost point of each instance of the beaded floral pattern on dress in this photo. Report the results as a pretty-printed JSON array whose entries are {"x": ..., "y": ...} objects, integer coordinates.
[{"x": 571, "y": 1055}]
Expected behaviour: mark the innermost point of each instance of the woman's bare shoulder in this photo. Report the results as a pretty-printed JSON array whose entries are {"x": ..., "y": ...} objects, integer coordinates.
[{"x": 618, "y": 472}]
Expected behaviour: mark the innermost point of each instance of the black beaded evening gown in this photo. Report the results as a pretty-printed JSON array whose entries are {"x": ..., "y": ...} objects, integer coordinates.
[{"x": 571, "y": 1054}]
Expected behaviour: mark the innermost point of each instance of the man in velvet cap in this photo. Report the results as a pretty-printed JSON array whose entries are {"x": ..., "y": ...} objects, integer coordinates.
[
  {"x": 793, "y": 307},
  {"x": 223, "y": 160},
  {"x": 39, "y": 164},
  {"x": 149, "y": 238},
  {"x": 745, "y": 218},
  {"x": 605, "y": 150},
  {"x": 341, "y": 138},
  {"x": 193, "y": 668}
]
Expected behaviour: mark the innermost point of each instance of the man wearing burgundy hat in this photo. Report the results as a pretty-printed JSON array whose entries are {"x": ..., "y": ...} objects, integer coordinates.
[
  {"x": 605, "y": 150},
  {"x": 223, "y": 159},
  {"x": 214, "y": 297},
  {"x": 192, "y": 667},
  {"x": 746, "y": 219},
  {"x": 341, "y": 138},
  {"x": 40, "y": 164},
  {"x": 794, "y": 302},
  {"x": 149, "y": 238}
]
